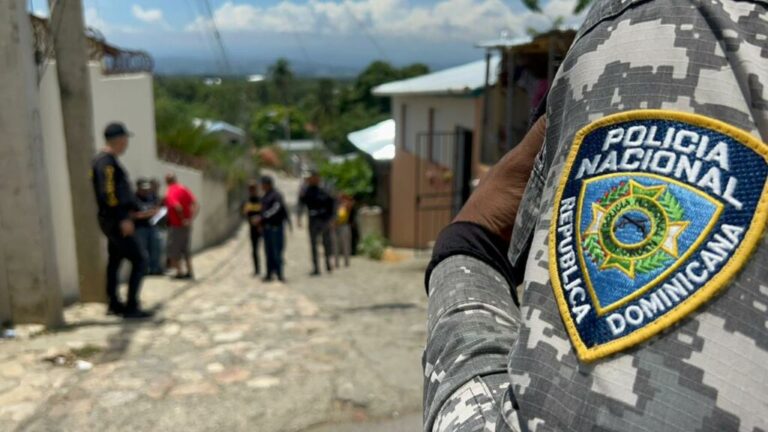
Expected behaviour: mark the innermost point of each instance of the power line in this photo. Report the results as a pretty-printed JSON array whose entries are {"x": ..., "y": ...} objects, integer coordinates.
[
  {"x": 217, "y": 36},
  {"x": 365, "y": 31},
  {"x": 302, "y": 48},
  {"x": 202, "y": 35}
]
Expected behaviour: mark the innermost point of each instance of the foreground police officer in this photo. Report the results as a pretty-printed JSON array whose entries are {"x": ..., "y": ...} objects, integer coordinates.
[
  {"x": 636, "y": 247},
  {"x": 117, "y": 205}
]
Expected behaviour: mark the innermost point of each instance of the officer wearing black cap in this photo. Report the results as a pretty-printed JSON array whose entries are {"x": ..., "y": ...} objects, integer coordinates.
[{"x": 117, "y": 206}]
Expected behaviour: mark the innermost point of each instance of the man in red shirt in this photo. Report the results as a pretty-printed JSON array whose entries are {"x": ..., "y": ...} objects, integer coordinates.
[{"x": 182, "y": 209}]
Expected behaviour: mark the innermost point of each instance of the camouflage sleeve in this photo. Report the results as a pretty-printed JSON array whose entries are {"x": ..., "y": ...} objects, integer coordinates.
[
  {"x": 707, "y": 372},
  {"x": 472, "y": 325}
]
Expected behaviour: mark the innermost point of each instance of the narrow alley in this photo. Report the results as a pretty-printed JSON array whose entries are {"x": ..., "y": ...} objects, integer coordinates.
[{"x": 229, "y": 352}]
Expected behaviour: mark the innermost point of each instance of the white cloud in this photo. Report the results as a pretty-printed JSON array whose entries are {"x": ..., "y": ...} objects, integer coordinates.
[
  {"x": 469, "y": 20},
  {"x": 149, "y": 16}
]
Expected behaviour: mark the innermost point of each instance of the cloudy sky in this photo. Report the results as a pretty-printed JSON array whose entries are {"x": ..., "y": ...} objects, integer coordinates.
[{"x": 316, "y": 33}]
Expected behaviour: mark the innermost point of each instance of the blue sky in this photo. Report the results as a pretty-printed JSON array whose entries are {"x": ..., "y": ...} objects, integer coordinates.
[{"x": 319, "y": 33}]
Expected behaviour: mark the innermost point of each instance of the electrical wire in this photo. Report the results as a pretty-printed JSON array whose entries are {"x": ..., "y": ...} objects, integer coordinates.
[
  {"x": 202, "y": 35},
  {"x": 217, "y": 36},
  {"x": 365, "y": 31}
]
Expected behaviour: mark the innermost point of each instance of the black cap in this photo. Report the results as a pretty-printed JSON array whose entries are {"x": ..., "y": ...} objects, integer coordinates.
[
  {"x": 267, "y": 180},
  {"x": 114, "y": 130}
]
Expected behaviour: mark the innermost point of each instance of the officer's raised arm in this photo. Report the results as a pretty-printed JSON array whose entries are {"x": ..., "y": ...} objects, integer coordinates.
[{"x": 473, "y": 310}]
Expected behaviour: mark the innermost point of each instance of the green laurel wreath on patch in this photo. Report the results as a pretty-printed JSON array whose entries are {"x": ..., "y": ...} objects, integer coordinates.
[{"x": 655, "y": 261}]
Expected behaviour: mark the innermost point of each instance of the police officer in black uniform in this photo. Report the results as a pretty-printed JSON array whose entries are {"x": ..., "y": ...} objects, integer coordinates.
[
  {"x": 117, "y": 207},
  {"x": 320, "y": 205}
]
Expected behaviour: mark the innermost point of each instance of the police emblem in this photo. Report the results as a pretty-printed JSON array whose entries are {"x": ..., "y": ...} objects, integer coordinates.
[{"x": 655, "y": 212}]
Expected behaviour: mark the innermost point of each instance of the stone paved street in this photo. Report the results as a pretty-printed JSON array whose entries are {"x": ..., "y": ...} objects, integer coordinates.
[{"x": 230, "y": 353}]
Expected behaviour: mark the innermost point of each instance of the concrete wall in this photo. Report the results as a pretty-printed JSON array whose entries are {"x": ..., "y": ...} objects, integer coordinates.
[
  {"x": 58, "y": 178},
  {"x": 129, "y": 99},
  {"x": 406, "y": 228},
  {"x": 30, "y": 286}
]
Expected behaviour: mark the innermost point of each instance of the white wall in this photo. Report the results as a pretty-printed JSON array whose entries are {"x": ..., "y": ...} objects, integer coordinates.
[
  {"x": 450, "y": 112},
  {"x": 58, "y": 178},
  {"x": 129, "y": 99}
]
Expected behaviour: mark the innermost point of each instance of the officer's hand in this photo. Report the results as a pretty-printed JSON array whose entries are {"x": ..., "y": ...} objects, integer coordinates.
[
  {"x": 495, "y": 202},
  {"x": 127, "y": 228}
]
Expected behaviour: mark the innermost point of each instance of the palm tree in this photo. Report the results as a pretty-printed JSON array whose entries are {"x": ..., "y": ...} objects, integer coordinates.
[{"x": 281, "y": 76}]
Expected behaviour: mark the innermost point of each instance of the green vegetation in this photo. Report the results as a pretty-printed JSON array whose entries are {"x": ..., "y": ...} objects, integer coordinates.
[
  {"x": 372, "y": 246},
  {"x": 353, "y": 177},
  {"x": 282, "y": 105}
]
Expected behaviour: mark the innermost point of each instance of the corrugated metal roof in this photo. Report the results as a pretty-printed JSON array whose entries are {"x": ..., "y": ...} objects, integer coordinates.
[
  {"x": 377, "y": 140},
  {"x": 213, "y": 126},
  {"x": 459, "y": 80}
]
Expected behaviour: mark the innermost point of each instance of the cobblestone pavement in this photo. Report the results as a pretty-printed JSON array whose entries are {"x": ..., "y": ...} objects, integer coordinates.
[{"x": 230, "y": 353}]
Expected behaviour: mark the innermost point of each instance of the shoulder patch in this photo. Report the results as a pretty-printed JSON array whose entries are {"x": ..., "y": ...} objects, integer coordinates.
[{"x": 655, "y": 212}]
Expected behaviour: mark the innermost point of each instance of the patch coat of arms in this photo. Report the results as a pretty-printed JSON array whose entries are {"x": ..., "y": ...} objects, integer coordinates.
[{"x": 655, "y": 212}]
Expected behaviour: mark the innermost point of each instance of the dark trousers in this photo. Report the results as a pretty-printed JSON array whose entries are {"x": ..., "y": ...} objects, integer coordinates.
[
  {"x": 320, "y": 229},
  {"x": 125, "y": 248},
  {"x": 274, "y": 241},
  {"x": 149, "y": 240},
  {"x": 255, "y": 238}
]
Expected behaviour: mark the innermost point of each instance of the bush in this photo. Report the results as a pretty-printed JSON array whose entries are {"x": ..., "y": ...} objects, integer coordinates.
[
  {"x": 353, "y": 177},
  {"x": 372, "y": 246}
]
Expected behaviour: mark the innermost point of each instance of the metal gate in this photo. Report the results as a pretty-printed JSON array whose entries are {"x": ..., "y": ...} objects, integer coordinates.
[{"x": 443, "y": 181}]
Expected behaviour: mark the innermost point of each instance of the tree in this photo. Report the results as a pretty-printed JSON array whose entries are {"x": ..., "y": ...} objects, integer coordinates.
[
  {"x": 272, "y": 123},
  {"x": 281, "y": 76},
  {"x": 377, "y": 73}
]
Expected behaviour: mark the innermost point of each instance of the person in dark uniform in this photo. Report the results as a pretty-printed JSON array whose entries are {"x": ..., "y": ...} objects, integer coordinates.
[
  {"x": 274, "y": 215},
  {"x": 320, "y": 208},
  {"x": 252, "y": 212},
  {"x": 117, "y": 207},
  {"x": 146, "y": 230}
]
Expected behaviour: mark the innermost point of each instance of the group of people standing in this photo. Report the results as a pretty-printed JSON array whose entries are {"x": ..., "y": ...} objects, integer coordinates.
[
  {"x": 130, "y": 221},
  {"x": 329, "y": 224}
]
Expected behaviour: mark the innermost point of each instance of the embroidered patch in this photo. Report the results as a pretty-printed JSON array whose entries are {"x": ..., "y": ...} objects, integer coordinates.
[{"x": 655, "y": 212}]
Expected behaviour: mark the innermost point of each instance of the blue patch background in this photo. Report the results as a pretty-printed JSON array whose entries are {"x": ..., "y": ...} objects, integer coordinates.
[
  {"x": 748, "y": 167},
  {"x": 612, "y": 285}
]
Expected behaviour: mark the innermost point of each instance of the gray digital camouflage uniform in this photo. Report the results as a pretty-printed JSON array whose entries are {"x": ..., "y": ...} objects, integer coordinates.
[{"x": 707, "y": 373}]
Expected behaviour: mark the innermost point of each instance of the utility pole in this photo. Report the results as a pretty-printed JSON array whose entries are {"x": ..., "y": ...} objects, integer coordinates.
[
  {"x": 69, "y": 41},
  {"x": 30, "y": 287}
]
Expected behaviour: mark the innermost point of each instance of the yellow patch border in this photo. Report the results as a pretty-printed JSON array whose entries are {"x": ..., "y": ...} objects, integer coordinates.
[
  {"x": 615, "y": 305},
  {"x": 703, "y": 294}
]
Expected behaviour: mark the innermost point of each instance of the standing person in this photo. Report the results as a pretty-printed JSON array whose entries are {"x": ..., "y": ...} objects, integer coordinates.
[
  {"x": 344, "y": 229},
  {"x": 117, "y": 205},
  {"x": 182, "y": 210},
  {"x": 273, "y": 217},
  {"x": 627, "y": 318},
  {"x": 146, "y": 231},
  {"x": 252, "y": 212},
  {"x": 320, "y": 208}
]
